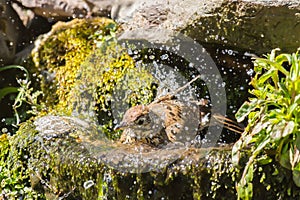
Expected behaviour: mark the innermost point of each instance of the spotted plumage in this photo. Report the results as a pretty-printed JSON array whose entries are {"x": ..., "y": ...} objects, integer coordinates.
[
  {"x": 166, "y": 119},
  {"x": 155, "y": 123}
]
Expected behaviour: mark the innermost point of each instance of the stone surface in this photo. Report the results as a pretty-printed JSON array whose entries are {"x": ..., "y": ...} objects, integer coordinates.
[
  {"x": 245, "y": 26},
  {"x": 67, "y": 8},
  {"x": 255, "y": 26}
]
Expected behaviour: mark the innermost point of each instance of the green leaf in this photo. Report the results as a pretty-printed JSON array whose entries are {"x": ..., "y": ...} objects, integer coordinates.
[
  {"x": 245, "y": 186},
  {"x": 7, "y": 90},
  {"x": 14, "y": 67},
  {"x": 245, "y": 109},
  {"x": 257, "y": 92},
  {"x": 263, "y": 78},
  {"x": 276, "y": 115},
  {"x": 276, "y": 66},
  {"x": 284, "y": 157},
  {"x": 259, "y": 127},
  {"x": 295, "y": 68},
  {"x": 236, "y": 152},
  {"x": 297, "y": 86},
  {"x": 292, "y": 108},
  {"x": 260, "y": 146},
  {"x": 284, "y": 89},
  {"x": 273, "y": 54},
  {"x": 282, "y": 129},
  {"x": 264, "y": 160},
  {"x": 296, "y": 177},
  {"x": 294, "y": 158},
  {"x": 249, "y": 176},
  {"x": 284, "y": 57},
  {"x": 298, "y": 141}
]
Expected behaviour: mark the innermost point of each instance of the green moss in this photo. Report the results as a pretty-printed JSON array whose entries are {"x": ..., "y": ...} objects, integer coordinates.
[
  {"x": 14, "y": 173},
  {"x": 113, "y": 70},
  {"x": 59, "y": 54},
  {"x": 37, "y": 166}
]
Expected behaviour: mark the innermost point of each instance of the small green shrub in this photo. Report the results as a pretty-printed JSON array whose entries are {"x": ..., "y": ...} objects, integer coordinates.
[
  {"x": 25, "y": 94},
  {"x": 273, "y": 118},
  {"x": 8, "y": 90},
  {"x": 14, "y": 176}
]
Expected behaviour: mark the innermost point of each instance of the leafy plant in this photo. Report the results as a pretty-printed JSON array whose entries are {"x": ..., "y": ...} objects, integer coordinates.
[
  {"x": 8, "y": 90},
  {"x": 14, "y": 175},
  {"x": 25, "y": 93},
  {"x": 273, "y": 118}
]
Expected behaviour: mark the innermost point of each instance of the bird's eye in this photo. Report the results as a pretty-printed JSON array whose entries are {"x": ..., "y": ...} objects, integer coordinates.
[{"x": 141, "y": 120}]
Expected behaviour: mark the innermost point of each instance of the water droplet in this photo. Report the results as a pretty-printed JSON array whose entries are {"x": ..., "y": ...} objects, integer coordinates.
[
  {"x": 129, "y": 51},
  {"x": 88, "y": 184},
  {"x": 151, "y": 57},
  {"x": 250, "y": 72},
  {"x": 164, "y": 56},
  {"x": 4, "y": 130}
]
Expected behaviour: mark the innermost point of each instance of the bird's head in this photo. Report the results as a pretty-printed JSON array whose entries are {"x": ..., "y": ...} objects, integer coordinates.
[{"x": 135, "y": 117}]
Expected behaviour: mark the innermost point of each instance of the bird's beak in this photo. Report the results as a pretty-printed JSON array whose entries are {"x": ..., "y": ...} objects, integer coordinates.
[{"x": 120, "y": 126}]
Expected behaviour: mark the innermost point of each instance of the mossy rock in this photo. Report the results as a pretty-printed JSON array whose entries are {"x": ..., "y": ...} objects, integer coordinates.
[
  {"x": 62, "y": 164},
  {"x": 80, "y": 64},
  {"x": 59, "y": 54},
  {"x": 70, "y": 47}
]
